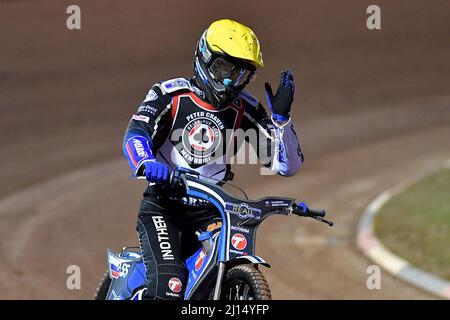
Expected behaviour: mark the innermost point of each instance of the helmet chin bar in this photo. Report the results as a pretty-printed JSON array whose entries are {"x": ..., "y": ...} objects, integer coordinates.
[
  {"x": 223, "y": 97},
  {"x": 218, "y": 93},
  {"x": 225, "y": 92}
]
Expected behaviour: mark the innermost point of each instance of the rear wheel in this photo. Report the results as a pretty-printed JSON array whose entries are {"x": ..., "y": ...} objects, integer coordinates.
[
  {"x": 103, "y": 287},
  {"x": 245, "y": 282}
]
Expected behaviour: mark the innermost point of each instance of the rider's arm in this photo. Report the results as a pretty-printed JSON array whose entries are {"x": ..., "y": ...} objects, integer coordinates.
[
  {"x": 288, "y": 157},
  {"x": 278, "y": 147},
  {"x": 146, "y": 129}
]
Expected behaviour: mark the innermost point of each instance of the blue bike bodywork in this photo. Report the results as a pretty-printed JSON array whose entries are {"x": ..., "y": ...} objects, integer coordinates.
[{"x": 234, "y": 244}]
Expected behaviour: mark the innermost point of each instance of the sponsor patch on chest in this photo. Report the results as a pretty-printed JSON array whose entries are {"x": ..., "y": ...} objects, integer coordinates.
[{"x": 200, "y": 135}]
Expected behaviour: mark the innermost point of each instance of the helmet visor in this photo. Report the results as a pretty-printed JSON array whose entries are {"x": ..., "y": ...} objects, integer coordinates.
[{"x": 229, "y": 74}]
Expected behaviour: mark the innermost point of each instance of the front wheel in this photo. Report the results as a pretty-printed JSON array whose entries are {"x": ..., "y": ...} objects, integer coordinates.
[{"x": 245, "y": 282}]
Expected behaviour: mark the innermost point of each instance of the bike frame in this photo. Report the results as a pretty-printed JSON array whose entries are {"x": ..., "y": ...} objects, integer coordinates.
[{"x": 234, "y": 244}]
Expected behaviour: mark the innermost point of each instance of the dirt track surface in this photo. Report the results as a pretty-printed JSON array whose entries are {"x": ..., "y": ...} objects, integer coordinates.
[{"x": 372, "y": 107}]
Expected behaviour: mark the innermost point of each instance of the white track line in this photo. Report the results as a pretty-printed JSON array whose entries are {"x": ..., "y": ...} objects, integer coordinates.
[{"x": 374, "y": 249}]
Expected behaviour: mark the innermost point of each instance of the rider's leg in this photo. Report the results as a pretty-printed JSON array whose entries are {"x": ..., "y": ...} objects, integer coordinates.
[
  {"x": 203, "y": 218},
  {"x": 166, "y": 274}
]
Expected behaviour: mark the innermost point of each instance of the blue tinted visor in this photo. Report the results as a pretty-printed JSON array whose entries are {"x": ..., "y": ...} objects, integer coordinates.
[{"x": 229, "y": 74}]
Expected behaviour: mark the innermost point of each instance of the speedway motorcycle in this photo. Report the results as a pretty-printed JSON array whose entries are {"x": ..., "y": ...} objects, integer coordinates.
[{"x": 225, "y": 267}]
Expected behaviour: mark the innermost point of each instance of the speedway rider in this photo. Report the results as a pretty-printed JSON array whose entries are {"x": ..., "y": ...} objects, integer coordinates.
[{"x": 185, "y": 122}]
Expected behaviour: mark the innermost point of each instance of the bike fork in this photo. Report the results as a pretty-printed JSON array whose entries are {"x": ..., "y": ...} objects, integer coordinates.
[{"x": 220, "y": 275}]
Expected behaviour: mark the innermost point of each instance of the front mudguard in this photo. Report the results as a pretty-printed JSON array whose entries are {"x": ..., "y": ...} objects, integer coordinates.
[{"x": 253, "y": 259}]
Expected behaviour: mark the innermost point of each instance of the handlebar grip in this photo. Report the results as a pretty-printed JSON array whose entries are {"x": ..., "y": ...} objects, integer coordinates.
[
  {"x": 303, "y": 210},
  {"x": 317, "y": 213}
]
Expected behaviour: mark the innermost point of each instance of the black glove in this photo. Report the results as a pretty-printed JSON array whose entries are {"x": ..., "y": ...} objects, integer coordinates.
[{"x": 280, "y": 103}]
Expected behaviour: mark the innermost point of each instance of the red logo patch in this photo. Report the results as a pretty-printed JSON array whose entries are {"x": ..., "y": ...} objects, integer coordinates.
[
  {"x": 175, "y": 285},
  {"x": 239, "y": 241},
  {"x": 200, "y": 258}
]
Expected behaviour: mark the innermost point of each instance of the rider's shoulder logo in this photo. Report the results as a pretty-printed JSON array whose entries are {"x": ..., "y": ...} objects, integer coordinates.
[
  {"x": 176, "y": 84},
  {"x": 151, "y": 96}
]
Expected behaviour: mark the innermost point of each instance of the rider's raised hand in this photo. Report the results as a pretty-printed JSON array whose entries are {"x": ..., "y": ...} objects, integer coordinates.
[
  {"x": 155, "y": 171},
  {"x": 280, "y": 103}
]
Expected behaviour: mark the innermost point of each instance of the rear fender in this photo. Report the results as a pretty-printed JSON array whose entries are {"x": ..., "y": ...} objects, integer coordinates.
[{"x": 127, "y": 272}]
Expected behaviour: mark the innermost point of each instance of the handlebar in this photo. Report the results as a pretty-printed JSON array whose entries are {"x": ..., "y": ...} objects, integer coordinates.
[
  {"x": 317, "y": 213},
  {"x": 302, "y": 210}
]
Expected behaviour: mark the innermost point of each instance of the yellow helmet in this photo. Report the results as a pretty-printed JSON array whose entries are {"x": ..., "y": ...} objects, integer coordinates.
[
  {"x": 226, "y": 58},
  {"x": 236, "y": 40}
]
